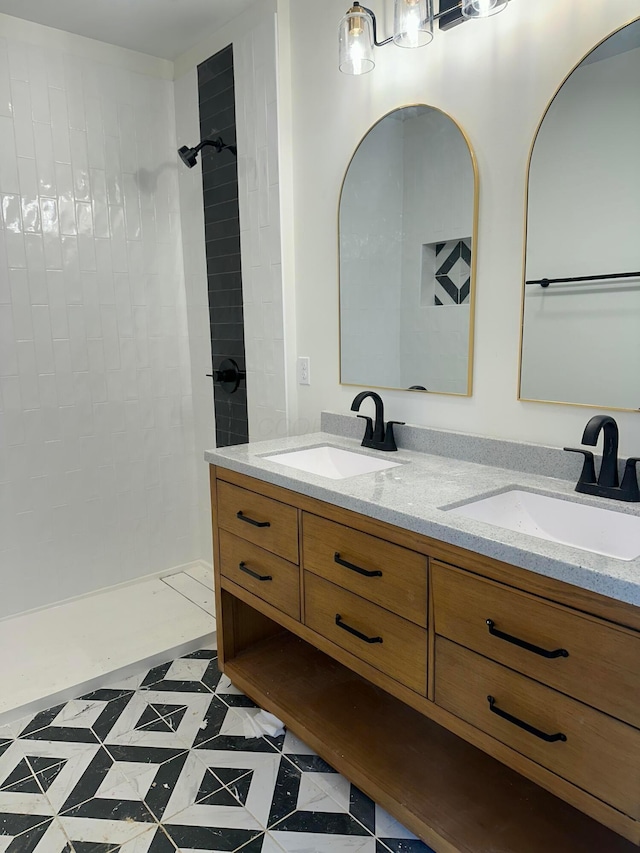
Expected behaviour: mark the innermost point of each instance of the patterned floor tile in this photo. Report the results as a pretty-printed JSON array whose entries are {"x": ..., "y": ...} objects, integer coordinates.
[
  {"x": 232, "y": 733},
  {"x": 168, "y": 762},
  {"x": 402, "y": 845},
  {"x": 91, "y": 835},
  {"x": 231, "y": 695},
  {"x": 320, "y": 842},
  {"x": 140, "y": 724},
  {"x": 395, "y": 836},
  {"x": 103, "y": 792},
  {"x": 14, "y": 825},
  {"x": 86, "y": 720},
  {"x": 48, "y": 837},
  {"x": 214, "y": 839},
  {"x": 56, "y": 768},
  {"x": 194, "y": 673}
]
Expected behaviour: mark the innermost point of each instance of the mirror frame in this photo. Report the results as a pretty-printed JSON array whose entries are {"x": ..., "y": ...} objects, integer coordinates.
[
  {"x": 526, "y": 226},
  {"x": 474, "y": 257}
]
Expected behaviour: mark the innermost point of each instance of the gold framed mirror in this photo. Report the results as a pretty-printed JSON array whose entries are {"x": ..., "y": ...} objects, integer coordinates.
[
  {"x": 580, "y": 326},
  {"x": 407, "y": 234}
]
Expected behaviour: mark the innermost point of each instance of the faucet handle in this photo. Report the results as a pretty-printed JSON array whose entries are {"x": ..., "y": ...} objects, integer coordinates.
[
  {"x": 629, "y": 486},
  {"x": 389, "y": 438},
  {"x": 588, "y": 474},
  {"x": 368, "y": 430}
]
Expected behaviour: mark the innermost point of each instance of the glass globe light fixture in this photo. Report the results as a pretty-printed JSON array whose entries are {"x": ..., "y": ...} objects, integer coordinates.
[
  {"x": 412, "y": 23},
  {"x": 482, "y": 8},
  {"x": 355, "y": 42}
]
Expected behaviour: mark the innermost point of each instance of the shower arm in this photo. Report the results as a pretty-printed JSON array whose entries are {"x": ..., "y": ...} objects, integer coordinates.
[{"x": 216, "y": 143}]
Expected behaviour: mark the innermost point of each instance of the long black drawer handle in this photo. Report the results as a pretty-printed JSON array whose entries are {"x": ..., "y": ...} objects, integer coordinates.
[
  {"x": 242, "y": 517},
  {"x": 522, "y": 725},
  {"x": 355, "y": 633},
  {"x": 244, "y": 568},
  {"x": 555, "y": 653},
  {"x": 374, "y": 574}
]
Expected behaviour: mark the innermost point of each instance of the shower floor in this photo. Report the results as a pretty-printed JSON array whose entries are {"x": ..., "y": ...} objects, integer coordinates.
[{"x": 159, "y": 762}]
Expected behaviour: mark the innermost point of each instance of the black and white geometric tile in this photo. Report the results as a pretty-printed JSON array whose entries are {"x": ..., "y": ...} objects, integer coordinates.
[
  {"x": 453, "y": 272},
  {"x": 163, "y": 763}
]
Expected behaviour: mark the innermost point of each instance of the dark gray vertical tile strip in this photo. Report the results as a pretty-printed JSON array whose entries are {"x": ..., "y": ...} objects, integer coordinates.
[{"x": 222, "y": 237}]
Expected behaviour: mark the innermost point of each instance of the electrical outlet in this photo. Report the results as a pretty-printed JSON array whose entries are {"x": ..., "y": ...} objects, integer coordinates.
[{"x": 304, "y": 370}]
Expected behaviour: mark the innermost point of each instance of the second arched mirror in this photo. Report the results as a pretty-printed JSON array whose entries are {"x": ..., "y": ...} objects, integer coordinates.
[
  {"x": 407, "y": 241},
  {"x": 581, "y": 298}
]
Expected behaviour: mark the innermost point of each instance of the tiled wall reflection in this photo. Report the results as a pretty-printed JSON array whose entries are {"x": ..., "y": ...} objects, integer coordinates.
[{"x": 96, "y": 446}]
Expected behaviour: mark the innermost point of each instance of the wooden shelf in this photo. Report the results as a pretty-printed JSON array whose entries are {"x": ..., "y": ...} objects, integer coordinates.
[{"x": 454, "y": 796}]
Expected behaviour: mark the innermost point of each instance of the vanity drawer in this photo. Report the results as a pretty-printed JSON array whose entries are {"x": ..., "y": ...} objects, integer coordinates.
[
  {"x": 400, "y": 652},
  {"x": 603, "y": 663},
  {"x": 245, "y": 564},
  {"x": 263, "y": 521},
  {"x": 379, "y": 571},
  {"x": 600, "y": 754}
]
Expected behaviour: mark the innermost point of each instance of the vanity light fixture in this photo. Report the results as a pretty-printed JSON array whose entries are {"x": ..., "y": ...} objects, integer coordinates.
[
  {"x": 412, "y": 25},
  {"x": 482, "y": 8}
]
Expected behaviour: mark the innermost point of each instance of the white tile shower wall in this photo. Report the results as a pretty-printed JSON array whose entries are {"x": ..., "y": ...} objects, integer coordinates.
[
  {"x": 96, "y": 436},
  {"x": 195, "y": 270},
  {"x": 255, "y": 65}
]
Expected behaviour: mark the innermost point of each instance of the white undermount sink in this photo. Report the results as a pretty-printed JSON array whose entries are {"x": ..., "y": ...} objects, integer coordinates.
[
  {"x": 602, "y": 531},
  {"x": 332, "y": 462}
]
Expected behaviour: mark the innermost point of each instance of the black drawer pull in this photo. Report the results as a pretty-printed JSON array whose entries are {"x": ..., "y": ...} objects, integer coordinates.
[
  {"x": 375, "y": 574},
  {"x": 242, "y": 517},
  {"x": 556, "y": 653},
  {"x": 355, "y": 633},
  {"x": 243, "y": 568},
  {"x": 522, "y": 725}
]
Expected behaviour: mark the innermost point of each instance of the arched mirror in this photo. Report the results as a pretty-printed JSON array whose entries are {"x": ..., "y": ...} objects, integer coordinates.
[
  {"x": 581, "y": 297},
  {"x": 407, "y": 232}
]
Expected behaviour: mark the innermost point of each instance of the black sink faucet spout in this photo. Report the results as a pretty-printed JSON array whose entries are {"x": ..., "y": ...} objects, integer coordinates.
[
  {"x": 376, "y": 435},
  {"x": 606, "y": 486},
  {"x": 608, "y": 476},
  {"x": 378, "y": 427}
]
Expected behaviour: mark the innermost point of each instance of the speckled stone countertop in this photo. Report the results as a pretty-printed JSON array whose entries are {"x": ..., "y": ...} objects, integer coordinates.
[{"x": 414, "y": 496}]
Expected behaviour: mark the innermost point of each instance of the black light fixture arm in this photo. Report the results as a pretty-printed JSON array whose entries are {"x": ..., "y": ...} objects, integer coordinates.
[{"x": 448, "y": 10}]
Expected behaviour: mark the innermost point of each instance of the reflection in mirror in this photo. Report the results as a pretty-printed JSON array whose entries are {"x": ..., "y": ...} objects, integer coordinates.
[
  {"x": 581, "y": 333},
  {"x": 407, "y": 244}
]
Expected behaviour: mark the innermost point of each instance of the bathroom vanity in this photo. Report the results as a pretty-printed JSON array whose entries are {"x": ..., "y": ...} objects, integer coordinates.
[{"x": 488, "y": 706}]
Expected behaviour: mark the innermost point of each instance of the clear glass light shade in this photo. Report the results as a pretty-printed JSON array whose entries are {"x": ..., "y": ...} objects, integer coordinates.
[
  {"x": 355, "y": 41},
  {"x": 412, "y": 23},
  {"x": 482, "y": 8}
]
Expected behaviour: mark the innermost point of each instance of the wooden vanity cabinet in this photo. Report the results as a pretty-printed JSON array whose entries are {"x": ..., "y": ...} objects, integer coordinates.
[{"x": 486, "y": 707}]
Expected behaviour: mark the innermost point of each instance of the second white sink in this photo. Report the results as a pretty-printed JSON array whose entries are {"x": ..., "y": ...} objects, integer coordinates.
[
  {"x": 602, "y": 531},
  {"x": 332, "y": 462}
]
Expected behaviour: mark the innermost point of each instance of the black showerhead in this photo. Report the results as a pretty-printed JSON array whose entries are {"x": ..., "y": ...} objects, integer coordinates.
[{"x": 189, "y": 156}]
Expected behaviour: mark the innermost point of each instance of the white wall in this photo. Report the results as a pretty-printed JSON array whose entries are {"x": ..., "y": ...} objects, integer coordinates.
[
  {"x": 97, "y": 475},
  {"x": 584, "y": 219},
  {"x": 495, "y": 77}
]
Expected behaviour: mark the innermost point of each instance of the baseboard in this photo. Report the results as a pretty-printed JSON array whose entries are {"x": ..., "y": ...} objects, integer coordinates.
[{"x": 164, "y": 573}]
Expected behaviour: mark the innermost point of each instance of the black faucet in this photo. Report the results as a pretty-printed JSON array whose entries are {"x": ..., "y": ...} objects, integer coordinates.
[
  {"x": 607, "y": 484},
  {"x": 377, "y": 436}
]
